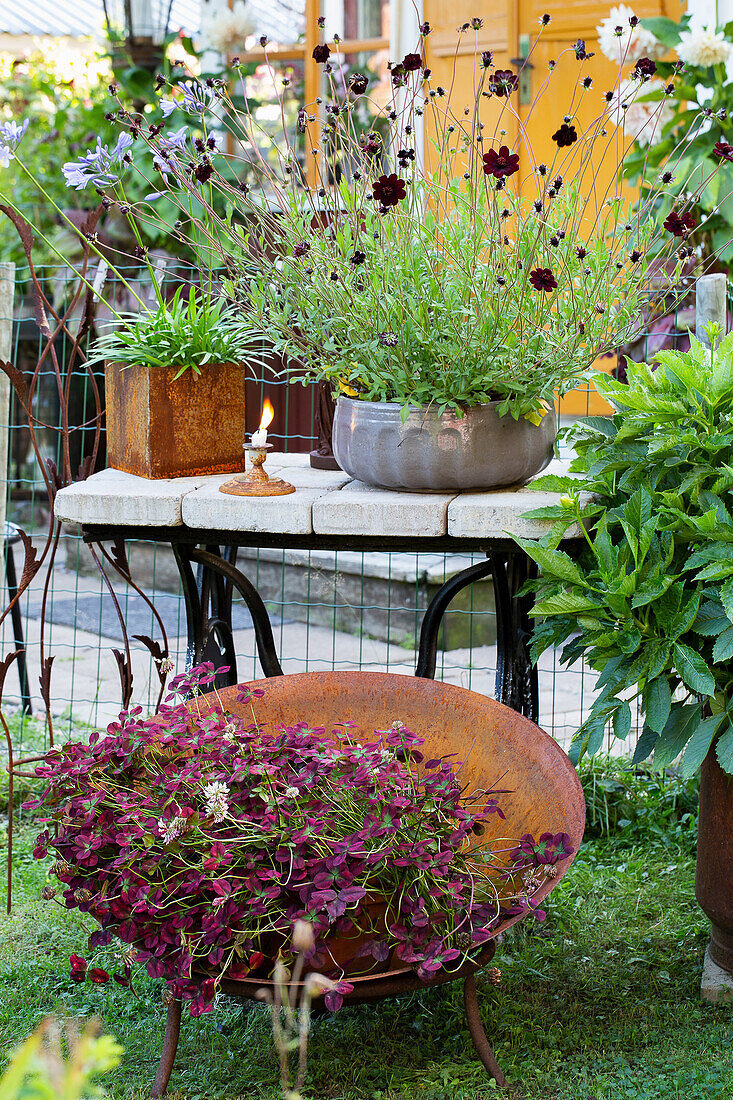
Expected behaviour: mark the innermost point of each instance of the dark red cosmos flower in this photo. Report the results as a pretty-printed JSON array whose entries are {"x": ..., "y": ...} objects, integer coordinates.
[
  {"x": 358, "y": 83},
  {"x": 78, "y": 968},
  {"x": 501, "y": 164},
  {"x": 411, "y": 62},
  {"x": 389, "y": 189},
  {"x": 504, "y": 82},
  {"x": 543, "y": 279},
  {"x": 487, "y": 58},
  {"x": 723, "y": 150},
  {"x": 566, "y": 135},
  {"x": 679, "y": 224},
  {"x": 644, "y": 68},
  {"x": 321, "y": 53},
  {"x": 203, "y": 171}
]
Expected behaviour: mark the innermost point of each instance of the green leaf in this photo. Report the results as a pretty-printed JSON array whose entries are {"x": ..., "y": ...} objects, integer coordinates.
[
  {"x": 723, "y": 648},
  {"x": 724, "y": 750},
  {"x": 666, "y": 30},
  {"x": 657, "y": 703},
  {"x": 680, "y": 726},
  {"x": 645, "y": 745},
  {"x": 564, "y": 603},
  {"x": 726, "y": 598},
  {"x": 603, "y": 424},
  {"x": 554, "y": 564},
  {"x": 694, "y": 672},
  {"x": 699, "y": 743},
  {"x": 622, "y": 721},
  {"x": 710, "y": 619}
]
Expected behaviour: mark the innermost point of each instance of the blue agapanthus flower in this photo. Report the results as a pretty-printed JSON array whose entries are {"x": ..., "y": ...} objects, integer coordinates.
[
  {"x": 10, "y": 134},
  {"x": 100, "y": 167},
  {"x": 194, "y": 101}
]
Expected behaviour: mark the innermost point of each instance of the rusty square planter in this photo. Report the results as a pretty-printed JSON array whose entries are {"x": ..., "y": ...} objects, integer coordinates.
[{"x": 161, "y": 426}]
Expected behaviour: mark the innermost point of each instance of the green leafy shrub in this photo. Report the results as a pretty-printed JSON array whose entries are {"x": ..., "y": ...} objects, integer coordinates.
[
  {"x": 648, "y": 602},
  {"x": 633, "y": 804}
]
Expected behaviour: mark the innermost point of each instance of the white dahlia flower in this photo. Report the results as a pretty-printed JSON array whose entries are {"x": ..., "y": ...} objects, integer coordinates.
[
  {"x": 632, "y": 43},
  {"x": 699, "y": 46},
  {"x": 227, "y": 31},
  {"x": 642, "y": 121}
]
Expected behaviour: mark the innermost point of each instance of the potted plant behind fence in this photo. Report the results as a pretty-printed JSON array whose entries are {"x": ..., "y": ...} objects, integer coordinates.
[
  {"x": 447, "y": 294},
  {"x": 648, "y": 602}
]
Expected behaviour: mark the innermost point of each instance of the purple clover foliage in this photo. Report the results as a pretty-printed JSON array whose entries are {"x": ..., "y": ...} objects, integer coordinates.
[
  {"x": 158, "y": 830},
  {"x": 100, "y": 167}
]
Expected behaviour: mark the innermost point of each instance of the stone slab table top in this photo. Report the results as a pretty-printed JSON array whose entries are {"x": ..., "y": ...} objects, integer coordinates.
[{"x": 324, "y": 503}]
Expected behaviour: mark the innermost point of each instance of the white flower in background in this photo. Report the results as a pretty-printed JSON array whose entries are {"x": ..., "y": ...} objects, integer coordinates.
[
  {"x": 642, "y": 121},
  {"x": 230, "y": 732},
  {"x": 171, "y": 830},
  {"x": 217, "y": 800},
  {"x": 632, "y": 43},
  {"x": 699, "y": 46},
  {"x": 228, "y": 29}
]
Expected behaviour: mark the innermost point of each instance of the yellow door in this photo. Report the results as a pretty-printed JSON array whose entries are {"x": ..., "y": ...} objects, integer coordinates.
[{"x": 510, "y": 29}]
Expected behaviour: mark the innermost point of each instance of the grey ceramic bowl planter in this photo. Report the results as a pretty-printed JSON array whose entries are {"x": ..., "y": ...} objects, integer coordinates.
[{"x": 430, "y": 453}]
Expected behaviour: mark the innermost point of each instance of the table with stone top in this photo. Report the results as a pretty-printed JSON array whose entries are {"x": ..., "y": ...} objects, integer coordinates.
[{"x": 328, "y": 511}]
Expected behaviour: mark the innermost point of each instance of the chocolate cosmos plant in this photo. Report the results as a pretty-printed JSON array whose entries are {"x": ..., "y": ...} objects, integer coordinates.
[
  {"x": 431, "y": 255},
  {"x": 199, "y": 838}
]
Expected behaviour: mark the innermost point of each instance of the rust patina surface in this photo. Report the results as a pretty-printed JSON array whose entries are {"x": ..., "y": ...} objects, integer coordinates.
[
  {"x": 500, "y": 747},
  {"x": 714, "y": 873},
  {"x": 161, "y": 426}
]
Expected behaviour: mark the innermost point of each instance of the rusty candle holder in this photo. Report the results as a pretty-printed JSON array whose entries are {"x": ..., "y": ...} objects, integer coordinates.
[{"x": 256, "y": 482}]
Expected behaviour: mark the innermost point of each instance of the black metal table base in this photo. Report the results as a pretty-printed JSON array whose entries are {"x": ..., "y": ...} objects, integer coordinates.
[{"x": 208, "y": 593}]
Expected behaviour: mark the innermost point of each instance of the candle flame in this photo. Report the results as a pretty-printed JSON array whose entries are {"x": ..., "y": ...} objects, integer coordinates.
[{"x": 267, "y": 413}]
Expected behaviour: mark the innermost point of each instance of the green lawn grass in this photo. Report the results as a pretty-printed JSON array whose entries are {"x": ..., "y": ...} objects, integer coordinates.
[{"x": 599, "y": 1002}]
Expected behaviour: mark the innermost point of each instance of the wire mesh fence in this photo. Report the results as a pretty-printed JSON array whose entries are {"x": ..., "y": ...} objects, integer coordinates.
[{"x": 330, "y": 610}]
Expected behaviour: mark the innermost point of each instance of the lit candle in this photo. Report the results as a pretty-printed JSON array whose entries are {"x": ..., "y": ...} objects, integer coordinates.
[{"x": 259, "y": 438}]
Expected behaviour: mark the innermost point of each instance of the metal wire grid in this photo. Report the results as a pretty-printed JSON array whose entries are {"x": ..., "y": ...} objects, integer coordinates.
[{"x": 344, "y": 611}]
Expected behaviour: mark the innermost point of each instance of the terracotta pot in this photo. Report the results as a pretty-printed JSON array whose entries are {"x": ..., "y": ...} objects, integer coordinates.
[
  {"x": 714, "y": 874},
  {"x": 160, "y": 426}
]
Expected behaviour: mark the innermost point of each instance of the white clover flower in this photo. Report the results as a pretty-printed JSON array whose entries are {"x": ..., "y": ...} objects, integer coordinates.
[
  {"x": 228, "y": 29},
  {"x": 171, "y": 830},
  {"x": 642, "y": 121},
  {"x": 632, "y": 43},
  {"x": 216, "y": 796},
  {"x": 292, "y": 792},
  {"x": 700, "y": 46},
  {"x": 165, "y": 664},
  {"x": 229, "y": 732}
]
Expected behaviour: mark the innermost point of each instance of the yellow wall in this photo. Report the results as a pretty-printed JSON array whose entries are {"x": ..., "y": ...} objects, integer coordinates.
[{"x": 504, "y": 22}]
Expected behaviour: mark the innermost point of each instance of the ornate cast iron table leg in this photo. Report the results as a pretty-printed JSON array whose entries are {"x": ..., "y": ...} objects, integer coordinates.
[
  {"x": 516, "y": 677},
  {"x": 168, "y": 1054},
  {"x": 433, "y": 617},
  {"x": 478, "y": 1035},
  {"x": 211, "y": 638}
]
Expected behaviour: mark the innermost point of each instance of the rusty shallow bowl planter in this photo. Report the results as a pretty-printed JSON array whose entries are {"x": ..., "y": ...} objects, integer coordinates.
[
  {"x": 160, "y": 426},
  {"x": 497, "y": 744}
]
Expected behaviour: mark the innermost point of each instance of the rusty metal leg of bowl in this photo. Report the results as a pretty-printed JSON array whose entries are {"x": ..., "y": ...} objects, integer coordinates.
[
  {"x": 476, "y": 1029},
  {"x": 168, "y": 1054}
]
